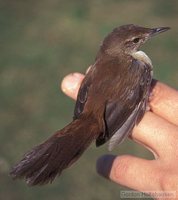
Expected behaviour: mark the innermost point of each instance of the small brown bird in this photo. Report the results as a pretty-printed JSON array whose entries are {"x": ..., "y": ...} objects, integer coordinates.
[{"x": 112, "y": 99}]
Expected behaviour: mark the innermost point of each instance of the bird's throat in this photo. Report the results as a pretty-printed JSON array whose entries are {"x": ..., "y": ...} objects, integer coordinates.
[{"x": 140, "y": 55}]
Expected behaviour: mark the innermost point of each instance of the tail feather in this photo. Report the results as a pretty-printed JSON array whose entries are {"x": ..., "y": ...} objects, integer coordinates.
[{"x": 47, "y": 160}]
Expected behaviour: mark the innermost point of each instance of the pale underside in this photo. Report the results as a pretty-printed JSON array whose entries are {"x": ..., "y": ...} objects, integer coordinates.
[{"x": 140, "y": 55}]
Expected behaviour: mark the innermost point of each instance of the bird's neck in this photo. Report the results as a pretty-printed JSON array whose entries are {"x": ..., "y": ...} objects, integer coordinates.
[{"x": 122, "y": 56}]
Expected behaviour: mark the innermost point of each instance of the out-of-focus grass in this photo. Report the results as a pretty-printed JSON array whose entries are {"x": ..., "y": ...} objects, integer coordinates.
[{"x": 40, "y": 42}]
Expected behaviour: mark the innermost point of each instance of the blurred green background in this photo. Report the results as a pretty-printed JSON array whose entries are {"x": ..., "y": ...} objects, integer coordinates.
[{"x": 40, "y": 43}]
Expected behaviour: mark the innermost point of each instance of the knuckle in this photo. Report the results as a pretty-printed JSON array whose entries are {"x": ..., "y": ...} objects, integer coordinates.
[
  {"x": 168, "y": 181},
  {"x": 158, "y": 93}
]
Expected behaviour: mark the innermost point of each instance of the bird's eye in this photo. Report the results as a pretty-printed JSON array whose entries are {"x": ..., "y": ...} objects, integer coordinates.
[{"x": 136, "y": 40}]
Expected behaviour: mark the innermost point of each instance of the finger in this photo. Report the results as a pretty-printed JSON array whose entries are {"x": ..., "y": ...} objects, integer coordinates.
[
  {"x": 71, "y": 84},
  {"x": 129, "y": 171},
  {"x": 164, "y": 102},
  {"x": 157, "y": 134}
]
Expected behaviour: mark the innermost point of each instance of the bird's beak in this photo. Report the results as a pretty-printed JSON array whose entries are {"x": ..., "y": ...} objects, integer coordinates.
[{"x": 155, "y": 31}]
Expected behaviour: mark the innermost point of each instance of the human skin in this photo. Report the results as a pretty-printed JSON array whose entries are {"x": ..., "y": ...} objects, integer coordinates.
[{"x": 157, "y": 131}]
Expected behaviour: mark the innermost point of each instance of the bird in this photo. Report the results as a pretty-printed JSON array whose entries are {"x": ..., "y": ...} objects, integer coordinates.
[{"x": 111, "y": 101}]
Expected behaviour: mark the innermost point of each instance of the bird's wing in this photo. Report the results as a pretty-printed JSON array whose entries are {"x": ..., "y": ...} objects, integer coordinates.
[
  {"x": 82, "y": 96},
  {"x": 123, "y": 131},
  {"x": 121, "y": 115}
]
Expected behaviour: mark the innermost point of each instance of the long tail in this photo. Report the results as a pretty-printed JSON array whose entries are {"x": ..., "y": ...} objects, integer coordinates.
[{"x": 47, "y": 160}]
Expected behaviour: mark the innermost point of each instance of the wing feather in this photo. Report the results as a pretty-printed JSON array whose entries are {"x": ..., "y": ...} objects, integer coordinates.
[{"x": 82, "y": 96}]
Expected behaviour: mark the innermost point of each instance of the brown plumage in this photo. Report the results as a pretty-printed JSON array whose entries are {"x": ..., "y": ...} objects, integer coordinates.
[{"x": 111, "y": 100}]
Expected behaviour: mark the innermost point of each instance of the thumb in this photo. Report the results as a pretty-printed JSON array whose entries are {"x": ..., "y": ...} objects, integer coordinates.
[
  {"x": 129, "y": 171},
  {"x": 71, "y": 84}
]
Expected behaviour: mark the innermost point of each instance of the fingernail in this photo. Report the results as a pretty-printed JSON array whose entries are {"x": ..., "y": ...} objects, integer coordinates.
[
  {"x": 104, "y": 165},
  {"x": 71, "y": 82}
]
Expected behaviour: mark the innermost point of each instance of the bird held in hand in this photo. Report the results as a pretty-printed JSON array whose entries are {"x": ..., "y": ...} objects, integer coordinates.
[{"x": 112, "y": 99}]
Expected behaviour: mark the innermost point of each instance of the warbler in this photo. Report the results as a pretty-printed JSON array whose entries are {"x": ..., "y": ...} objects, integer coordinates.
[{"x": 112, "y": 99}]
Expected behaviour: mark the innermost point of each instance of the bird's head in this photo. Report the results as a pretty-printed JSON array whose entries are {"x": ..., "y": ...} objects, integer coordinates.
[{"x": 128, "y": 39}]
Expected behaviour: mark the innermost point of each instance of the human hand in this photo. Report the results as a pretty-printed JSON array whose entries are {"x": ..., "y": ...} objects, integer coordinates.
[{"x": 157, "y": 131}]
